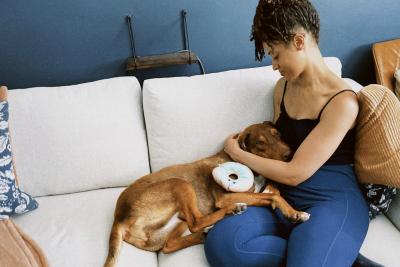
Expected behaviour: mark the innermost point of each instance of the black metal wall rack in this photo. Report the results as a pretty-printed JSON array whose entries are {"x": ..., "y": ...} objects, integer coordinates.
[{"x": 185, "y": 56}]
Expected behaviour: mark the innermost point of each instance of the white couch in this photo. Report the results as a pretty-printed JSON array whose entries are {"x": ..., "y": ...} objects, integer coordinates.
[{"x": 77, "y": 147}]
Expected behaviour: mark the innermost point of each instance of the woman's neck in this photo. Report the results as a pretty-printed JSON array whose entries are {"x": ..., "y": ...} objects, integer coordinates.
[{"x": 315, "y": 73}]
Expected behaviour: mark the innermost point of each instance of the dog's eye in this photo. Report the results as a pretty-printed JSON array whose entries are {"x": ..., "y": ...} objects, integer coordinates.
[{"x": 260, "y": 143}]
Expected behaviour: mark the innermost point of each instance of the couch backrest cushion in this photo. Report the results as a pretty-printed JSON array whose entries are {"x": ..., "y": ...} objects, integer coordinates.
[
  {"x": 80, "y": 137},
  {"x": 188, "y": 118}
]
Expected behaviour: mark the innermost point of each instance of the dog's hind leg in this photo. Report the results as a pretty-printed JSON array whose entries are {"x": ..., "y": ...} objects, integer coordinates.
[
  {"x": 176, "y": 241},
  {"x": 196, "y": 221}
]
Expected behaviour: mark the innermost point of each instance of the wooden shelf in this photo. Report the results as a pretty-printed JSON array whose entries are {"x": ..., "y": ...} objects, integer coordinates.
[{"x": 163, "y": 60}]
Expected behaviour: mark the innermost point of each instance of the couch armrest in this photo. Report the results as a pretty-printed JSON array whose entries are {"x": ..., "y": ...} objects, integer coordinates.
[{"x": 386, "y": 61}]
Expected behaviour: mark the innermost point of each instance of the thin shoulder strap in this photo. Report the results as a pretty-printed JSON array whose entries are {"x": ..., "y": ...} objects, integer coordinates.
[
  {"x": 319, "y": 115},
  {"x": 283, "y": 109}
]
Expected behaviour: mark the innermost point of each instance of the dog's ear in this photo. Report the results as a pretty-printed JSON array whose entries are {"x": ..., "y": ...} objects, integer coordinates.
[
  {"x": 269, "y": 123},
  {"x": 275, "y": 132},
  {"x": 244, "y": 141}
]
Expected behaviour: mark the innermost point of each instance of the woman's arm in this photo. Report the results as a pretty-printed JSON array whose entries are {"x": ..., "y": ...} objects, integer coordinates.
[{"x": 336, "y": 120}]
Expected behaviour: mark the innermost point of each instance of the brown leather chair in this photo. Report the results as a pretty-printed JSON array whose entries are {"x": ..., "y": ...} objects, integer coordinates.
[{"x": 386, "y": 60}]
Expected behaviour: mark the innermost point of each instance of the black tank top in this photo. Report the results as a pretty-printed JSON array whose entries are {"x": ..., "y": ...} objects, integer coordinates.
[{"x": 295, "y": 131}]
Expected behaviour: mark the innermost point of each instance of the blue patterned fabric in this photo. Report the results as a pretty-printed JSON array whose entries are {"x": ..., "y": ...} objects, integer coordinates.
[
  {"x": 378, "y": 197},
  {"x": 12, "y": 199}
]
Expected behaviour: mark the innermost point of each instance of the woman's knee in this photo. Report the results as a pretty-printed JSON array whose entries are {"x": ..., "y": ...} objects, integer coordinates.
[
  {"x": 251, "y": 239},
  {"x": 261, "y": 251}
]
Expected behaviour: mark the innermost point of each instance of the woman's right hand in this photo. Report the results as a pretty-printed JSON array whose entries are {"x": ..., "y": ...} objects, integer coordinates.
[{"x": 231, "y": 146}]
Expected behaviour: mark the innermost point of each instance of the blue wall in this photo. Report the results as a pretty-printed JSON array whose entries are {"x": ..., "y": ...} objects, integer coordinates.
[{"x": 59, "y": 42}]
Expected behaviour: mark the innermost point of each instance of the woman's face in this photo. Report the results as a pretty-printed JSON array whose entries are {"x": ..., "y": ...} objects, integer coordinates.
[{"x": 287, "y": 59}]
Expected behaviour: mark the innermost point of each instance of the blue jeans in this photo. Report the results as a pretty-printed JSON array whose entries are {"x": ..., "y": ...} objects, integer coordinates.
[{"x": 331, "y": 237}]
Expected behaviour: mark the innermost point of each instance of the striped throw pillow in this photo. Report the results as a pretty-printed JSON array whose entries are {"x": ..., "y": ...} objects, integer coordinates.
[{"x": 377, "y": 148}]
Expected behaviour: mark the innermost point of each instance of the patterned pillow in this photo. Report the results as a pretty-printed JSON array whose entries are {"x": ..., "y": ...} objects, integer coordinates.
[
  {"x": 12, "y": 199},
  {"x": 377, "y": 148},
  {"x": 378, "y": 197}
]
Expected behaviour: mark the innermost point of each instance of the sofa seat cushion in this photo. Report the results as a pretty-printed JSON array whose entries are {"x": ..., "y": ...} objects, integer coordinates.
[
  {"x": 73, "y": 230},
  {"x": 81, "y": 137},
  {"x": 192, "y": 256},
  {"x": 382, "y": 242},
  {"x": 381, "y": 245}
]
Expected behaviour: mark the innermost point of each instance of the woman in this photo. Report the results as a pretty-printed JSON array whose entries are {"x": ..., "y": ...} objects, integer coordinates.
[{"x": 316, "y": 114}]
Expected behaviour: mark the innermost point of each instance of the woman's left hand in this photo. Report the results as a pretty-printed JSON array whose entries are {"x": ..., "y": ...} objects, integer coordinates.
[{"x": 231, "y": 146}]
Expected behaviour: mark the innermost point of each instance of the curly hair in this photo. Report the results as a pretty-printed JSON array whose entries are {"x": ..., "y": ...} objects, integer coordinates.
[{"x": 276, "y": 20}]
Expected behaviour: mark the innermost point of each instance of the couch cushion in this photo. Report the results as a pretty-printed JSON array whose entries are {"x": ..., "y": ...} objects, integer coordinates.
[
  {"x": 381, "y": 231},
  {"x": 80, "y": 137},
  {"x": 382, "y": 242},
  {"x": 192, "y": 256},
  {"x": 188, "y": 118},
  {"x": 73, "y": 230},
  {"x": 377, "y": 148}
]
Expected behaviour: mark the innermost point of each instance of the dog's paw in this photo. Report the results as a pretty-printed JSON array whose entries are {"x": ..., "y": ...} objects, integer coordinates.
[
  {"x": 304, "y": 216},
  {"x": 207, "y": 229},
  {"x": 239, "y": 208},
  {"x": 300, "y": 216}
]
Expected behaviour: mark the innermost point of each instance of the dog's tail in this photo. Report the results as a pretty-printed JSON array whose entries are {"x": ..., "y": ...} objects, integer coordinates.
[{"x": 114, "y": 244}]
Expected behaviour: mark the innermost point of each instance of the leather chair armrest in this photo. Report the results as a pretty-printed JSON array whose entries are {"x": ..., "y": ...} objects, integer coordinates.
[{"x": 386, "y": 60}]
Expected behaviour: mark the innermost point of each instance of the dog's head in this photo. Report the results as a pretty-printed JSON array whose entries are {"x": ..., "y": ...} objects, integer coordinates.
[{"x": 264, "y": 140}]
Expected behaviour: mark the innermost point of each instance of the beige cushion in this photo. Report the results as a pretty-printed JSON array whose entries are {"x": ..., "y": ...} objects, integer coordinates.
[
  {"x": 377, "y": 157},
  {"x": 74, "y": 229},
  {"x": 195, "y": 255},
  {"x": 79, "y": 137},
  {"x": 382, "y": 242}
]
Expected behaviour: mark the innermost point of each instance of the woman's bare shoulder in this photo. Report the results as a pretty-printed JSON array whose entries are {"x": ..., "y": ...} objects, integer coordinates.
[
  {"x": 344, "y": 106},
  {"x": 344, "y": 96}
]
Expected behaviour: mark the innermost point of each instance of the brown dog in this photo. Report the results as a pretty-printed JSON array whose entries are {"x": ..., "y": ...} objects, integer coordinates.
[{"x": 146, "y": 206}]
